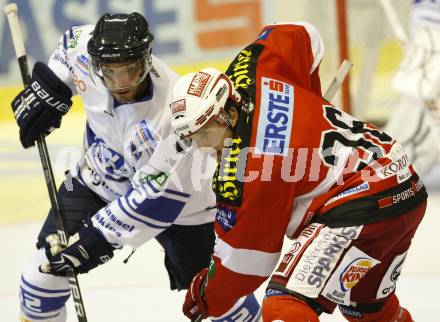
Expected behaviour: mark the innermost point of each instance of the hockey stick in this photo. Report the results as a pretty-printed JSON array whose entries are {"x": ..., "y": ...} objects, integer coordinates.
[
  {"x": 394, "y": 21},
  {"x": 11, "y": 13},
  {"x": 198, "y": 319},
  {"x": 337, "y": 81}
]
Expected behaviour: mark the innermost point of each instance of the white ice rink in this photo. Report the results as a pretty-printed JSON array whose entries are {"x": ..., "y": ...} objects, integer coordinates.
[{"x": 138, "y": 291}]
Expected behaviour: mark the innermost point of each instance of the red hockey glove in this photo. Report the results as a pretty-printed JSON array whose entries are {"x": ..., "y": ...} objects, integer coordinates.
[{"x": 194, "y": 306}]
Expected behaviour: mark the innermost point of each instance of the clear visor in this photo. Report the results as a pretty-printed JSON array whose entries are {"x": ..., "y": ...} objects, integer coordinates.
[
  {"x": 121, "y": 76},
  {"x": 209, "y": 135}
]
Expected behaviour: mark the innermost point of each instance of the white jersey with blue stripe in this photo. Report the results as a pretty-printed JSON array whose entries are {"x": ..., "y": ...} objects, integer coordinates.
[
  {"x": 168, "y": 188},
  {"x": 103, "y": 167},
  {"x": 119, "y": 144}
]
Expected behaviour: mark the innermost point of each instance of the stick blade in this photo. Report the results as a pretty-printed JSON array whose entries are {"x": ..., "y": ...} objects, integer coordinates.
[
  {"x": 10, "y": 8},
  {"x": 337, "y": 81}
]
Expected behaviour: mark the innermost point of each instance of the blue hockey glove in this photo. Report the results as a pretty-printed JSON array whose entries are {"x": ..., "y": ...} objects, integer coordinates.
[
  {"x": 39, "y": 107},
  {"x": 86, "y": 250}
]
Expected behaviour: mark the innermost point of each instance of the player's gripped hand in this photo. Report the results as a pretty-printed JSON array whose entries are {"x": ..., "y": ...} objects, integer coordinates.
[
  {"x": 39, "y": 107},
  {"x": 194, "y": 307},
  {"x": 86, "y": 250}
]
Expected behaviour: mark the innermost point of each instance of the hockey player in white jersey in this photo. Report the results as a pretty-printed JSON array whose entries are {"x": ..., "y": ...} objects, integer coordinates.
[
  {"x": 130, "y": 185},
  {"x": 416, "y": 119}
]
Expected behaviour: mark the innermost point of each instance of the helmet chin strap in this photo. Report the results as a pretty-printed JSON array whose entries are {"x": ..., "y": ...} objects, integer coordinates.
[
  {"x": 226, "y": 124},
  {"x": 142, "y": 87}
]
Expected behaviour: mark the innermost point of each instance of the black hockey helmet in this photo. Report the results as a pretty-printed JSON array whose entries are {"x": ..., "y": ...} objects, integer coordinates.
[{"x": 120, "y": 38}]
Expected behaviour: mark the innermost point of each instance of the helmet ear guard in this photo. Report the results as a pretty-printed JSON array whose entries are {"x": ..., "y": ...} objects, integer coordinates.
[
  {"x": 222, "y": 87},
  {"x": 223, "y": 118}
]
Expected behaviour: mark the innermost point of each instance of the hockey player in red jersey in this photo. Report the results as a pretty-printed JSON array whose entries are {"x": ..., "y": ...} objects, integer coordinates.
[{"x": 291, "y": 164}]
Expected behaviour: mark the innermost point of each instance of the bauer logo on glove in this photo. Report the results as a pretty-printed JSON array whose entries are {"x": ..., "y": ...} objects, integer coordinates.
[
  {"x": 38, "y": 108},
  {"x": 48, "y": 99}
]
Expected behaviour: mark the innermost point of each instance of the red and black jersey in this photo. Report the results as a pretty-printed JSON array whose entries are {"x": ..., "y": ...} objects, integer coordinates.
[{"x": 294, "y": 159}]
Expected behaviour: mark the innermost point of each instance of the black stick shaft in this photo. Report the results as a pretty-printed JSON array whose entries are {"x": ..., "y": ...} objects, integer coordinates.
[{"x": 54, "y": 201}]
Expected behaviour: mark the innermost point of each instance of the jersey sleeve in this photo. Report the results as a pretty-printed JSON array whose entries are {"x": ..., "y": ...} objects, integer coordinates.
[
  {"x": 249, "y": 238},
  {"x": 156, "y": 199},
  {"x": 61, "y": 59}
]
